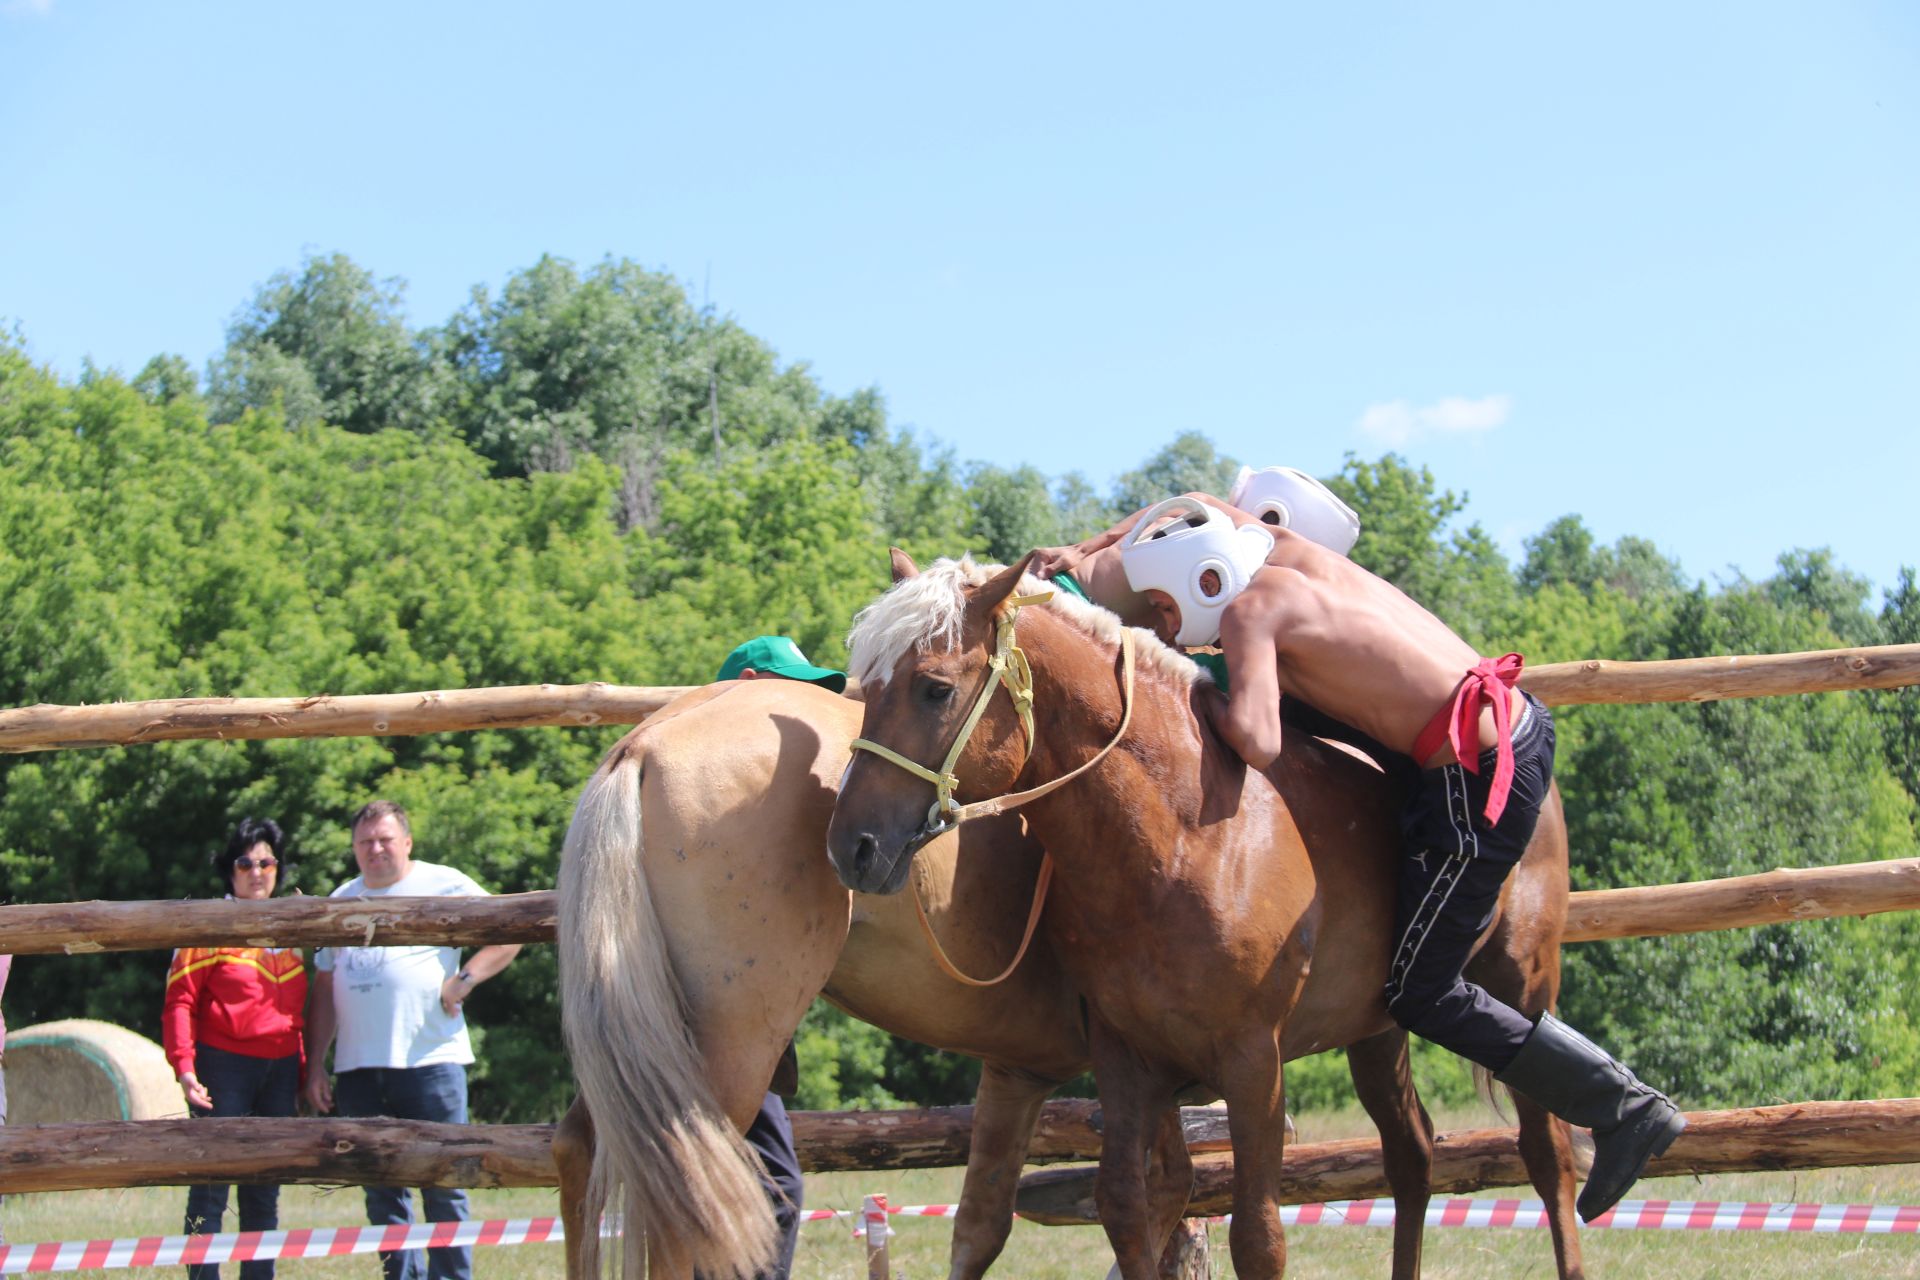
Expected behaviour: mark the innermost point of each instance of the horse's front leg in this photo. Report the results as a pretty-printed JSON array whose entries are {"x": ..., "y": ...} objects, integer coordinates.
[
  {"x": 1169, "y": 1192},
  {"x": 1006, "y": 1107},
  {"x": 573, "y": 1159},
  {"x": 1255, "y": 1095},
  {"x": 1383, "y": 1079},
  {"x": 1134, "y": 1096}
]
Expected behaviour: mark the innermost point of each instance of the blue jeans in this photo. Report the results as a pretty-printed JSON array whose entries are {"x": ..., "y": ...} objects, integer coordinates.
[
  {"x": 437, "y": 1093},
  {"x": 241, "y": 1086}
]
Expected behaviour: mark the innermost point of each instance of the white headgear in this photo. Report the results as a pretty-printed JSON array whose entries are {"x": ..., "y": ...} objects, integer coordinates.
[
  {"x": 1299, "y": 502},
  {"x": 1172, "y": 559}
]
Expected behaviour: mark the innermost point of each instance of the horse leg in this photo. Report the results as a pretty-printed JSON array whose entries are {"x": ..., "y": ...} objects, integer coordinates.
[
  {"x": 1383, "y": 1079},
  {"x": 573, "y": 1159},
  {"x": 1006, "y": 1107},
  {"x": 1134, "y": 1094},
  {"x": 1169, "y": 1191},
  {"x": 1525, "y": 973},
  {"x": 1255, "y": 1093}
]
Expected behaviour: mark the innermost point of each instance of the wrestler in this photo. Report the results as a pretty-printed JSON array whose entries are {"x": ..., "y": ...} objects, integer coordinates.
[{"x": 1298, "y": 618}]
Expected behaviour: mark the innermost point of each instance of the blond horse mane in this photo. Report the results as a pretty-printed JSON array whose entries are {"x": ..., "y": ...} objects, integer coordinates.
[{"x": 925, "y": 613}]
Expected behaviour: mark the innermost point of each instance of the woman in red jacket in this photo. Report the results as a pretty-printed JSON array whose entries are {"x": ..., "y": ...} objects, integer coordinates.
[{"x": 232, "y": 1028}]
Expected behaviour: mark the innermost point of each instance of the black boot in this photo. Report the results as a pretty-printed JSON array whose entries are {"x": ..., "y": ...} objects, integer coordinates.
[{"x": 1581, "y": 1083}]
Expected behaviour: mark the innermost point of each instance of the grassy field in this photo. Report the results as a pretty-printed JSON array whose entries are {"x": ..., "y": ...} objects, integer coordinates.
[{"x": 919, "y": 1247}]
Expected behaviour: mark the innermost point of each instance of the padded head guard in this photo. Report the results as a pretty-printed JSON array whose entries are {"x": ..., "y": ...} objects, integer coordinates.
[
  {"x": 1294, "y": 500},
  {"x": 1176, "y": 556}
]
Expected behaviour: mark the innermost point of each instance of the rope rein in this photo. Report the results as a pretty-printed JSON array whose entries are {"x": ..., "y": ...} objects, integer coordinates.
[{"x": 1009, "y": 667}]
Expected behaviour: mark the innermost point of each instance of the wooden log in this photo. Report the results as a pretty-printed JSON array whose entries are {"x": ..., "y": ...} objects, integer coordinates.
[
  {"x": 1771, "y": 897},
  {"x": 172, "y": 1153},
  {"x": 47, "y": 726},
  {"x": 940, "y": 1137},
  {"x": 1803, "y": 1135},
  {"x": 76, "y": 928},
  {"x": 331, "y": 1151},
  {"x": 1890, "y": 666}
]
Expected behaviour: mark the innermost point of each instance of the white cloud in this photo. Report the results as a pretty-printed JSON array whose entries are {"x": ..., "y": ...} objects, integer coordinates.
[
  {"x": 37, "y": 8},
  {"x": 1395, "y": 422}
]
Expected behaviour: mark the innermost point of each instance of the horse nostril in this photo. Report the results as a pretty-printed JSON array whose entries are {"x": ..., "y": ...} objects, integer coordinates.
[{"x": 864, "y": 854}]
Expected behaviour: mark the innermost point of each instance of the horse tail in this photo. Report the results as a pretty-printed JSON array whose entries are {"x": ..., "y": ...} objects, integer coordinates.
[{"x": 664, "y": 1150}]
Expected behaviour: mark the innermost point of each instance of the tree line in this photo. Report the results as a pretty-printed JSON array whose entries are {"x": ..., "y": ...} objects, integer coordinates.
[{"x": 587, "y": 477}]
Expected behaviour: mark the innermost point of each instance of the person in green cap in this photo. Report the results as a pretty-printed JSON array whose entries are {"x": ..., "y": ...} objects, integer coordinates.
[
  {"x": 771, "y": 1134},
  {"x": 779, "y": 656}
]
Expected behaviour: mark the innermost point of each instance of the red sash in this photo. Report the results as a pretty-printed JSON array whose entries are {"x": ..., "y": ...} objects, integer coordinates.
[{"x": 1457, "y": 723}]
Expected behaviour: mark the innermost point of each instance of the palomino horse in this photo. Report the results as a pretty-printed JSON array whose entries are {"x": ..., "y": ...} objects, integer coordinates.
[
  {"x": 692, "y": 939},
  {"x": 1218, "y": 922}
]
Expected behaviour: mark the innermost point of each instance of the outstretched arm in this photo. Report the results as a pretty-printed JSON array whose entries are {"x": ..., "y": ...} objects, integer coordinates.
[{"x": 1049, "y": 561}]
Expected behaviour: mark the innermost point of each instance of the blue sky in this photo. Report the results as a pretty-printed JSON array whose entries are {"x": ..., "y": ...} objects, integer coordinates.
[{"x": 1658, "y": 265}]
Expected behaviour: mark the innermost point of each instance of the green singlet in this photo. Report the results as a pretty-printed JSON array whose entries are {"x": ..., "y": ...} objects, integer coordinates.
[
  {"x": 1215, "y": 664},
  {"x": 1067, "y": 583}
]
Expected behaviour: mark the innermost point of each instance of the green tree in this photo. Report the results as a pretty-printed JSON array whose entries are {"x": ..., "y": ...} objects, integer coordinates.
[
  {"x": 1189, "y": 464},
  {"x": 330, "y": 344},
  {"x": 141, "y": 560},
  {"x": 1013, "y": 512}
]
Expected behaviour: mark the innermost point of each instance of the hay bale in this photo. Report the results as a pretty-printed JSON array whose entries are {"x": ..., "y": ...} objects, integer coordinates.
[{"x": 79, "y": 1069}]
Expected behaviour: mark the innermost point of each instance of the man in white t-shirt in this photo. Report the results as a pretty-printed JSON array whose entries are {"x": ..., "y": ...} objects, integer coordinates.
[{"x": 402, "y": 1046}]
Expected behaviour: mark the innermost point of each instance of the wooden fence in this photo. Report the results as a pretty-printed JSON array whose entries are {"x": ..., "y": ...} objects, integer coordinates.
[{"x": 330, "y": 1150}]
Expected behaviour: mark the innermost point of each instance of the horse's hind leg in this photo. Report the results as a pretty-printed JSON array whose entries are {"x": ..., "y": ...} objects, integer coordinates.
[
  {"x": 1383, "y": 1079},
  {"x": 573, "y": 1159},
  {"x": 1524, "y": 972},
  {"x": 1006, "y": 1107}
]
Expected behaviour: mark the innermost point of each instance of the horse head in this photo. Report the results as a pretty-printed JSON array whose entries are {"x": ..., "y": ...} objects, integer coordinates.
[{"x": 945, "y": 717}]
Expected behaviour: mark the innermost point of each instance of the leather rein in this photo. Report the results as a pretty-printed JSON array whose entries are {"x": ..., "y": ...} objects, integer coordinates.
[{"x": 1007, "y": 667}]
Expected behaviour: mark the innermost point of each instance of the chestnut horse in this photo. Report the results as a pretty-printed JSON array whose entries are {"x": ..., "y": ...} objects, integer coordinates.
[
  {"x": 1219, "y": 922},
  {"x": 698, "y": 917}
]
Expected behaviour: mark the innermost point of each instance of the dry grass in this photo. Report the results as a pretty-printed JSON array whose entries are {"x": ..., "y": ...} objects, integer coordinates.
[{"x": 828, "y": 1250}]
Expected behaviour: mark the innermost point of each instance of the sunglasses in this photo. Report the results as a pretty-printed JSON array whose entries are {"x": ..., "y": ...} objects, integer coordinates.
[{"x": 255, "y": 864}]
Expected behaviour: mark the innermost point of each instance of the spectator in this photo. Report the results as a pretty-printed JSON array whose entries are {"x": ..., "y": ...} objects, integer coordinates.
[
  {"x": 403, "y": 1048},
  {"x": 231, "y": 1027}
]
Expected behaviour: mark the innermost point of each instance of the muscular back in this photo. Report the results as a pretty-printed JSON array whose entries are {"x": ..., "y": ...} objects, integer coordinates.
[{"x": 1315, "y": 625}]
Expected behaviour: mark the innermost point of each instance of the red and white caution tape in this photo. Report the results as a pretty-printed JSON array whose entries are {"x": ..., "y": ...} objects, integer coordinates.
[
  {"x": 1638, "y": 1215},
  {"x": 323, "y": 1242},
  {"x": 240, "y": 1246}
]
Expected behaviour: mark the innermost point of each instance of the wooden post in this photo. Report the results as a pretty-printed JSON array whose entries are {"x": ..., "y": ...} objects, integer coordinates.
[
  {"x": 1887, "y": 666},
  {"x": 73, "y": 928},
  {"x": 47, "y": 726},
  {"x": 1802, "y": 1135},
  {"x": 873, "y": 1225}
]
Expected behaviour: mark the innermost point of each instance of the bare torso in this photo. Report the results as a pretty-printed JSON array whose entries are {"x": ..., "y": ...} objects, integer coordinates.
[{"x": 1316, "y": 626}]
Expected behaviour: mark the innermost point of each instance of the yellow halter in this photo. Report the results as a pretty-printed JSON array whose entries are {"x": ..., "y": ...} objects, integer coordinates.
[{"x": 1007, "y": 666}]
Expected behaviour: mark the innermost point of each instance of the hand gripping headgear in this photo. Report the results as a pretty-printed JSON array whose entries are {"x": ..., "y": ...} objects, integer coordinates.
[
  {"x": 1294, "y": 500},
  {"x": 1174, "y": 557}
]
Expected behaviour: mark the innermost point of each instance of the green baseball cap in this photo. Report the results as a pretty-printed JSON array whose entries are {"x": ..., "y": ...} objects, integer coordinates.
[{"x": 779, "y": 656}]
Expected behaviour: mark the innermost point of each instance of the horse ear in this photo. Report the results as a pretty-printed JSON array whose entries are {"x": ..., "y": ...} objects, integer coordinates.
[
  {"x": 903, "y": 565},
  {"x": 994, "y": 591}
]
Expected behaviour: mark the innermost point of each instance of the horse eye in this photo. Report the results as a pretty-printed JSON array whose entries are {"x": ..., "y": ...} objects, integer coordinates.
[{"x": 937, "y": 691}]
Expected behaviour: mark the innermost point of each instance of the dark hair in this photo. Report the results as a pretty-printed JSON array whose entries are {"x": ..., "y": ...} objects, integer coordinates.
[
  {"x": 374, "y": 810},
  {"x": 250, "y": 832}
]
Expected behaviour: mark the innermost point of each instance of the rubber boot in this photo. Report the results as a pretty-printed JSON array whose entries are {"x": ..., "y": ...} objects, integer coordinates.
[{"x": 1581, "y": 1083}]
